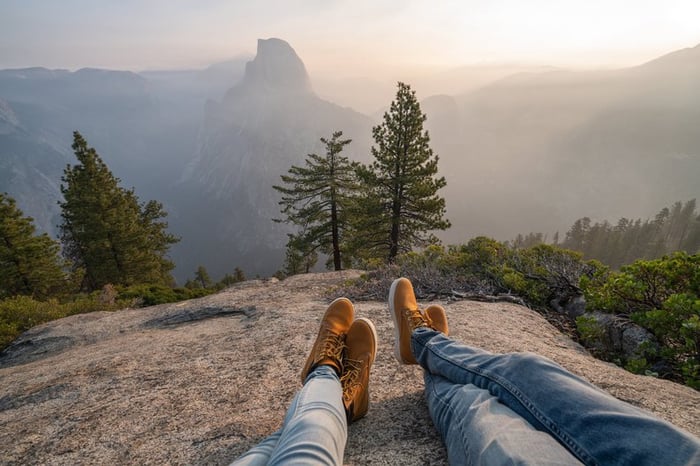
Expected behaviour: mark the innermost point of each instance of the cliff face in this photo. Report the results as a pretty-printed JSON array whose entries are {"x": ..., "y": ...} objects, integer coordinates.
[
  {"x": 276, "y": 68},
  {"x": 266, "y": 123},
  {"x": 200, "y": 382}
]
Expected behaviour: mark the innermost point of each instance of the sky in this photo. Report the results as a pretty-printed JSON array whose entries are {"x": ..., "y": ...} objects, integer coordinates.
[{"x": 344, "y": 36}]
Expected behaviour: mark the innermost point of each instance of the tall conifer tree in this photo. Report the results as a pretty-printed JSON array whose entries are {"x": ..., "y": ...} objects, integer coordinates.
[
  {"x": 105, "y": 231},
  {"x": 29, "y": 263},
  {"x": 316, "y": 198},
  {"x": 401, "y": 204}
]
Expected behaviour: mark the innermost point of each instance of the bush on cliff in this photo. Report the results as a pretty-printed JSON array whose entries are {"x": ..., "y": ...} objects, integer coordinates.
[{"x": 663, "y": 296}]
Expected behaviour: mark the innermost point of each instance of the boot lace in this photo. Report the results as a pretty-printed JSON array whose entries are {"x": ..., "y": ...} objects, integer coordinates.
[
  {"x": 350, "y": 380},
  {"x": 415, "y": 318},
  {"x": 332, "y": 348}
]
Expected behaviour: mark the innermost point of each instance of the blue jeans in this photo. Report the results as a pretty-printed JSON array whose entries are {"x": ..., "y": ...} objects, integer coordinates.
[
  {"x": 463, "y": 384},
  {"x": 315, "y": 428}
]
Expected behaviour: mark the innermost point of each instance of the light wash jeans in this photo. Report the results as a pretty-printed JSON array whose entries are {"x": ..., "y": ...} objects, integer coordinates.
[
  {"x": 480, "y": 401},
  {"x": 315, "y": 428}
]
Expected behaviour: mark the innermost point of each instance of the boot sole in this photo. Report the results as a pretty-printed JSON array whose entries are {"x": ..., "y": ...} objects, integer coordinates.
[{"x": 397, "y": 331}]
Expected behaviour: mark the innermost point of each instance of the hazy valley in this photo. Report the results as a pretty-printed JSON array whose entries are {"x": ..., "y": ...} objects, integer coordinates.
[{"x": 523, "y": 149}]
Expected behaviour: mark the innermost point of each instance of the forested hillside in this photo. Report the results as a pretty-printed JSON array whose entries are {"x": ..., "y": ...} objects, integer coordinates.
[{"x": 674, "y": 228}]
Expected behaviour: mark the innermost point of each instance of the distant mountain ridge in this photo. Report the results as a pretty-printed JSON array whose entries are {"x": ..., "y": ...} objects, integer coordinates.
[
  {"x": 529, "y": 151},
  {"x": 546, "y": 148},
  {"x": 144, "y": 126}
]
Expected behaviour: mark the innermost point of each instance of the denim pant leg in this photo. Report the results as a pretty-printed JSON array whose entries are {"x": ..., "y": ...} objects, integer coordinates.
[
  {"x": 315, "y": 428},
  {"x": 477, "y": 429},
  {"x": 596, "y": 427},
  {"x": 260, "y": 454}
]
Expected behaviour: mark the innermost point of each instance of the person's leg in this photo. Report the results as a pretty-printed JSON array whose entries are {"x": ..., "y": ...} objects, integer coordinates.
[
  {"x": 477, "y": 429},
  {"x": 314, "y": 430},
  {"x": 259, "y": 455},
  {"x": 594, "y": 426},
  {"x": 315, "y": 427}
]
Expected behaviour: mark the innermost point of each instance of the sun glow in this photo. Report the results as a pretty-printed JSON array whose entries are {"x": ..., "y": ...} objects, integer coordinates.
[{"x": 346, "y": 36}]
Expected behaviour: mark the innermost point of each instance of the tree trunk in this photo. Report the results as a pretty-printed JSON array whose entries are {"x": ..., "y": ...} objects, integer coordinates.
[
  {"x": 394, "y": 238},
  {"x": 334, "y": 233}
]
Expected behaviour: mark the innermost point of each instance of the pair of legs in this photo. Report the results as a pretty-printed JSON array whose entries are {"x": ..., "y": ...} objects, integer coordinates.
[
  {"x": 515, "y": 408},
  {"x": 335, "y": 391},
  {"x": 521, "y": 408}
]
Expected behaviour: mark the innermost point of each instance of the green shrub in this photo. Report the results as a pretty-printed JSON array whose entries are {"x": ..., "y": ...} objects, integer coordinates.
[
  {"x": 660, "y": 295},
  {"x": 150, "y": 295},
  {"x": 8, "y": 332},
  {"x": 550, "y": 273},
  {"x": 485, "y": 266},
  {"x": 590, "y": 330},
  {"x": 638, "y": 366},
  {"x": 21, "y": 313},
  {"x": 677, "y": 326},
  {"x": 663, "y": 296}
]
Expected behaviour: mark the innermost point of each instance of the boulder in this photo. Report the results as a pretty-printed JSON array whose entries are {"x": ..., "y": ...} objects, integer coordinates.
[
  {"x": 620, "y": 336},
  {"x": 571, "y": 306}
]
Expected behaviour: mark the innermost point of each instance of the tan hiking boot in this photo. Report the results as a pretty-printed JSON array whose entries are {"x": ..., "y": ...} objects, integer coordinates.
[
  {"x": 407, "y": 317},
  {"x": 360, "y": 350},
  {"x": 329, "y": 344},
  {"x": 437, "y": 318}
]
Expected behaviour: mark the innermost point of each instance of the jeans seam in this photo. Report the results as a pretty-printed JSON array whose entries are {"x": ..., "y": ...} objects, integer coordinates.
[{"x": 547, "y": 423}]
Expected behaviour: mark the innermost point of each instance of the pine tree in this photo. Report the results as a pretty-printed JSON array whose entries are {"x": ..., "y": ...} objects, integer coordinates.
[
  {"x": 238, "y": 274},
  {"x": 687, "y": 218},
  {"x": 230, "y": 279},
  {"x": 401, "y": 204},
  {"x": 29, "y": 263},
  {"x": 105, "y": 231},
  {"x": 201, "y": 277},
  {"x": 576, "y": 237},
  {"x": 158, "y": 239},
  {"x": 673, "y": 229},
  {"x": 315, "y": 198},
  {"x": 300, "y": 255}
]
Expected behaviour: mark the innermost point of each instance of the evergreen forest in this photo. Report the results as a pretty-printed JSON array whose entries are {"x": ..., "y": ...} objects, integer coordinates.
[{"x": 674, "y": 228}]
